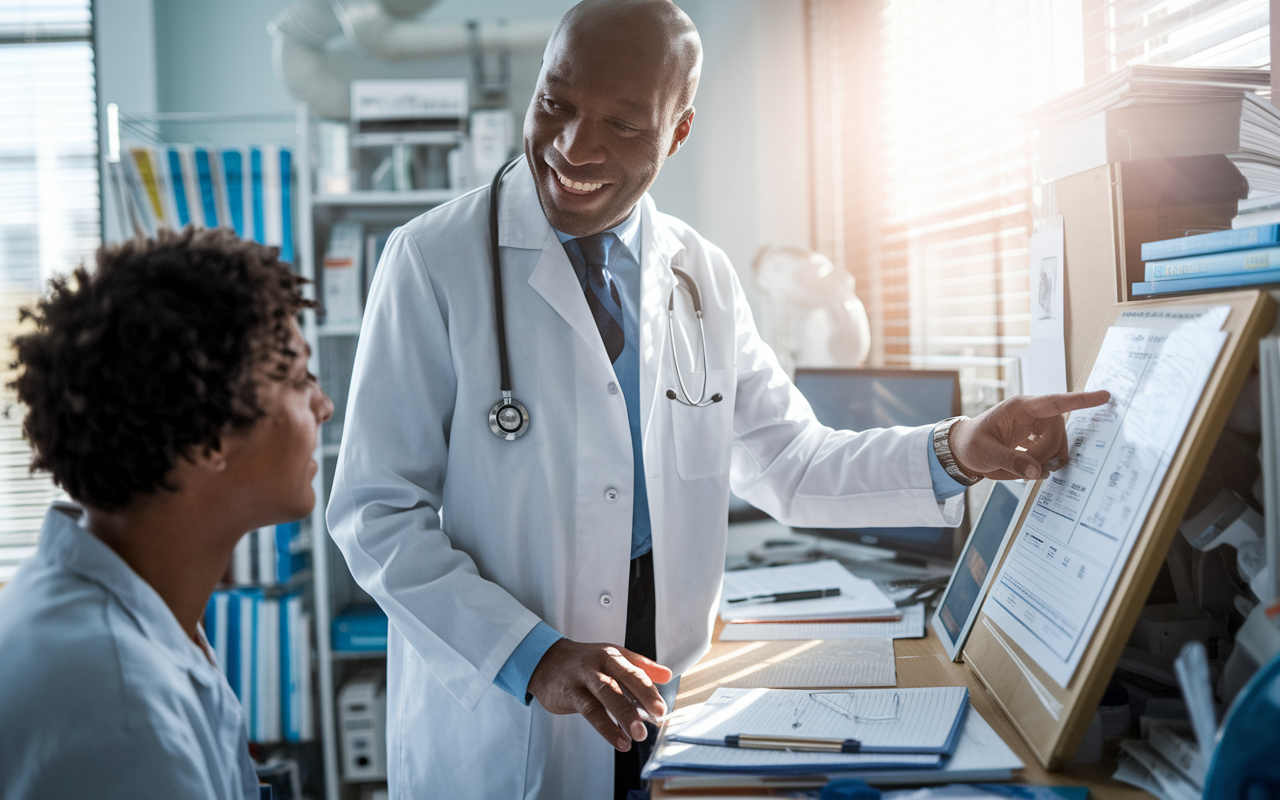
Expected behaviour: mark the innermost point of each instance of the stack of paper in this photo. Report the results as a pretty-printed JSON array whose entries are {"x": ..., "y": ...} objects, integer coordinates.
[
  {"x": 1145, "y": 84},
  {"x": 1145, "y": 112},
  {"x": 740, "y": 737},
  {"x": 746, "y": 594}
]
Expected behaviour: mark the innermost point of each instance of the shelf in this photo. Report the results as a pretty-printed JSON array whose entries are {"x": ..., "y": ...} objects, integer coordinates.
[
  {"x": 358, "y": 655},
  {"x": 421, "y": 197},
  {"x": 341, "y": 329}
]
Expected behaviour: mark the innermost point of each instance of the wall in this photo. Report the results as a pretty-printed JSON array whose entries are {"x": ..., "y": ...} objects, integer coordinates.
[{"x": 742, "y": 180}]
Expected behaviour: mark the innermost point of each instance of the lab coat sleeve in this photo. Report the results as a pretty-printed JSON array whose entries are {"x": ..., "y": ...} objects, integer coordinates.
[
  {"x": 805, "y": 474},
  {"x": 384, "y": 513}
]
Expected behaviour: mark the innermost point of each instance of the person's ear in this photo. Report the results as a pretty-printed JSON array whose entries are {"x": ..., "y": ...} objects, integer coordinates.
[
  {"x": 209, "y": 457},
  {"x": 681, "y": 132}
]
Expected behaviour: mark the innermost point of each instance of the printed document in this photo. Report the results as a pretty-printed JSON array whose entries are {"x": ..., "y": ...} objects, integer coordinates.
[
  {"x": 858, "y": 597},
  {"x": 1064, "y": 564}
]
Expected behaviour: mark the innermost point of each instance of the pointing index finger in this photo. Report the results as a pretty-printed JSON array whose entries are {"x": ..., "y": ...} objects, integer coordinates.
[{"x": 1052, "y": 405}]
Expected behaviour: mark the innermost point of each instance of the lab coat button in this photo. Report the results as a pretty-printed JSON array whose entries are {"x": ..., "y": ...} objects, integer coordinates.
[
  {"x": 611, "y": 494},
  {"x": 613, "y": 387},
  {"x": 606, "y": 600}
]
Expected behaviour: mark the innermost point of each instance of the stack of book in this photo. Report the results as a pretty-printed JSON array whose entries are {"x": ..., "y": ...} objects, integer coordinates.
[
  {"x": 271, "y": 556},
  {"x": 263, "y": 645},
  {"x": 248, "y": 189},
  {"x": 1142, "y": 112},
  {"x": 1248, "y": 256}
]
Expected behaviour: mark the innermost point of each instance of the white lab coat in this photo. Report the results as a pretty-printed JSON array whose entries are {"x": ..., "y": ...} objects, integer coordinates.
[{"x": 467, "y": 541}]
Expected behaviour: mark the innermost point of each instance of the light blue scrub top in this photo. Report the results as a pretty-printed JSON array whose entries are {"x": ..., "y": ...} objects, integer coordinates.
[{"x": 102, "y": 693}]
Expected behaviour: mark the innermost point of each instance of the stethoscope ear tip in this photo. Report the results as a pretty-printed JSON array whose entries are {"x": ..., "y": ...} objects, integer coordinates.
[
  {"x": 717, "y": 397},
  {"x": 671, "y": 394}
]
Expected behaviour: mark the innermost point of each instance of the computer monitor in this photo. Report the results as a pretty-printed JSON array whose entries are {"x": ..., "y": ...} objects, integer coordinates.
[{"x": 857, "y": 399}]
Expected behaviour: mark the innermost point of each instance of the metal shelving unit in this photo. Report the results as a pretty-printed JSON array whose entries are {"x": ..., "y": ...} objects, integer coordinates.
[{"x": 332, "y": 583}]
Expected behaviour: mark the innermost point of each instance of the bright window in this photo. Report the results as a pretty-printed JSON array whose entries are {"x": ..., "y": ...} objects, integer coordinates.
[{"x": 49, "y": 211}]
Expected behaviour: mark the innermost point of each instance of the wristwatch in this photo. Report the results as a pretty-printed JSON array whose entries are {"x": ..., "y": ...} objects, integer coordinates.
[{"x": 942, "y": 448}]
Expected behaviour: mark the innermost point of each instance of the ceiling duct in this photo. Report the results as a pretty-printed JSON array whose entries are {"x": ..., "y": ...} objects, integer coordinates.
[{"x": 306, "y": 32}]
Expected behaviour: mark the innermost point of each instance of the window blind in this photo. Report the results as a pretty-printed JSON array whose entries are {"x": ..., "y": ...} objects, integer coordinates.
[
  {"x": 935, "y": 196},
  {"x": 1227, "y": 33},
  {"x": 956, "y": 215},
  {"x": 49, "y": 212}
]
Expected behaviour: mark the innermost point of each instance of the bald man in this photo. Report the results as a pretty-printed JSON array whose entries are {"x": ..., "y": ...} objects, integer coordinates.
[{"x": 546, "y": 584}]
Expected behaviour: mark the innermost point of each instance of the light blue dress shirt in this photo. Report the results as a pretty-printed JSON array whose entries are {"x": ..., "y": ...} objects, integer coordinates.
[
  {"x": 102, "y": 693},
  {"x": 624, "y": 264}
]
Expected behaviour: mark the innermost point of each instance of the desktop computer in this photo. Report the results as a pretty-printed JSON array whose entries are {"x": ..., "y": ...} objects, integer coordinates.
[{"x": 857, "y": 399}]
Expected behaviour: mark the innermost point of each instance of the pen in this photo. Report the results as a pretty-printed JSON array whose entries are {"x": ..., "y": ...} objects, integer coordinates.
[
  {"x": 752, "y": 742},
  {"x": 784, "y": 597}
]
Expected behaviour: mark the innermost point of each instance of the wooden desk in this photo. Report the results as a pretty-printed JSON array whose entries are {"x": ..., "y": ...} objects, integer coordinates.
[{"x": 920, "y": 662}]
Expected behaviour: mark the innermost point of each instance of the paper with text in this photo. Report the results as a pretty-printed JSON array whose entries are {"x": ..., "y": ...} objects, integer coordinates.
[
  {"x": 911, "y": 626},
  {"x": 825, "y": 664},
  {"x": 858, "y": 596},
  {"x": 1064, "y": 564}
]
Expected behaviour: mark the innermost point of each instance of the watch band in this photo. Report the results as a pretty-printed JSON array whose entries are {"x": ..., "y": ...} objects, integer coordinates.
[{"x": 942, "y": 448}]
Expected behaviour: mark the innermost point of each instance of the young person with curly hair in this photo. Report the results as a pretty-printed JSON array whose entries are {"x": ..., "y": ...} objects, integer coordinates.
[{"x": 167, "y": 392}]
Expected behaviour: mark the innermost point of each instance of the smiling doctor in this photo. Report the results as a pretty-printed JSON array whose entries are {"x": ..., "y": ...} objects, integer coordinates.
[{"x": 547, "y": 560}]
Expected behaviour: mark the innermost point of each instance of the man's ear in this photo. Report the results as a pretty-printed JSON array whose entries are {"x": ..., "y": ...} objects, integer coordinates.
[{"x": 681, "y": 132}]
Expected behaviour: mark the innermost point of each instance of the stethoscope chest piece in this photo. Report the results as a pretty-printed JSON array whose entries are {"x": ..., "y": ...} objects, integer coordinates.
[{"x": 508, "y": 419}]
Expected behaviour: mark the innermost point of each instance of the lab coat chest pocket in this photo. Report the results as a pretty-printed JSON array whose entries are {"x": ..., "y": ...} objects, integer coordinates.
[{"x": 704, "y": 436}]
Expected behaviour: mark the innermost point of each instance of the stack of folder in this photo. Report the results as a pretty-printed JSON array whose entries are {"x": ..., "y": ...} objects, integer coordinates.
[
  {"x": 1217, "y": 260},
  {"x": 753, "y": 737},
  {"x": 248, "y": 189}
]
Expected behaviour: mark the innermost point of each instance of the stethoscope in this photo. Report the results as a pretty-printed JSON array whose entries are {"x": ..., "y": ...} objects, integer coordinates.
[{"x": 509, "y": 419}]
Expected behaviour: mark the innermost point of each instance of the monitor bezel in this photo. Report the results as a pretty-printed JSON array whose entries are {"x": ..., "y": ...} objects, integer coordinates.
[{"x": 903, "y": 550}]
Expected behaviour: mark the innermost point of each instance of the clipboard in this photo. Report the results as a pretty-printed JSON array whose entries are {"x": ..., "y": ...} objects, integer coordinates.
[{"x": 1052, "y": 719}]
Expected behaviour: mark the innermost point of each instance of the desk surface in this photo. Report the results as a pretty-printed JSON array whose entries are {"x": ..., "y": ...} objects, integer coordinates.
[{"x": 920, "y": 662}]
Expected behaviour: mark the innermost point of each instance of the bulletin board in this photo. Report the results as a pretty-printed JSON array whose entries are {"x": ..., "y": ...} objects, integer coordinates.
[{"x": 1052, "y": 718}]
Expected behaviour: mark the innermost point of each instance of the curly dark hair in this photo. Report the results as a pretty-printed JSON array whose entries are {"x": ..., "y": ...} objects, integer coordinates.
[{"x": 157, "y": 352}]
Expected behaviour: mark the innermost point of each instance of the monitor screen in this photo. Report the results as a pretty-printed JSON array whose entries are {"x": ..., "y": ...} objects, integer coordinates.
[
  {"x": 977, "y": 560},
  {"x": 857, "y": 399}
]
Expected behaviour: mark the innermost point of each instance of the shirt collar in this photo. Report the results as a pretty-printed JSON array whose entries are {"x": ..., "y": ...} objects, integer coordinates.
[
  {"x": 627, "y": 231},
  {"x": 65, "y": 541}
]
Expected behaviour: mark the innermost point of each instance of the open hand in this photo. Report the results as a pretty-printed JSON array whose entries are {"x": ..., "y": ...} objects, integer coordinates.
[
  {"x": 988, "y": 444},
  {"x": 596, "y": 680}
]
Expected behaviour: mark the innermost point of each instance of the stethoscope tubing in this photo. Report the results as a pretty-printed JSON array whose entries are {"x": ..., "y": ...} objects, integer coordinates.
[{"x": 508, "y": 403}]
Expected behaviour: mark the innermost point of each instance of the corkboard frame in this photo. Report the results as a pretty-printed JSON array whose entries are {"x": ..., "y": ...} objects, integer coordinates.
[{"x": 1052, "y": 719}]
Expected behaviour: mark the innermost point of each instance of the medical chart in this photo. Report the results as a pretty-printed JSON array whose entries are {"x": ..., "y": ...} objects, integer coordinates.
[{"x": 1064, "y": 564}]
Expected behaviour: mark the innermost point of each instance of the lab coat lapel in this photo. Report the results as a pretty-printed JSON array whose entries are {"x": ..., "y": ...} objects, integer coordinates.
[
  {"x": 658, "y": 250},
  {"x": 524, "y": 225}
]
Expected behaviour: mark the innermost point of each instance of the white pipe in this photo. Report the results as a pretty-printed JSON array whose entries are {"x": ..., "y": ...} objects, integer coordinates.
[{"x": 385, "y": 29}]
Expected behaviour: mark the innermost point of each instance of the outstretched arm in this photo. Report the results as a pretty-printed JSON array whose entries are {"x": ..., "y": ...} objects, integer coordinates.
[{"x": 1022, "y": 437}]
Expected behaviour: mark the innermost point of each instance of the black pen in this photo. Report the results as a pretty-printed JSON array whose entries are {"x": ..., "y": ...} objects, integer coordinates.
[{"x": 783, "y": 597}]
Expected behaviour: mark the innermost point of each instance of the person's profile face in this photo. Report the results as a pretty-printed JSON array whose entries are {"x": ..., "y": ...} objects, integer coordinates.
[
  {"x": 275, "y": 454},
  {"x": 598, "y": 130}
]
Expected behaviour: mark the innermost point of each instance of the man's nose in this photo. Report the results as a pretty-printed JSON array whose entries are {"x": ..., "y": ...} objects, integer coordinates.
[
  {"x": 579, "y": 143},
  {"x": 324, "y": 408}
]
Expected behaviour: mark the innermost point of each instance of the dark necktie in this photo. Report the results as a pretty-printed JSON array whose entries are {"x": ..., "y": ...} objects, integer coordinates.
[{"x": 601, "y": 292}]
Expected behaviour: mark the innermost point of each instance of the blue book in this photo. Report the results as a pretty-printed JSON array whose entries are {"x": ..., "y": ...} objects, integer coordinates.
[
  {"x": 205, "y": 171},
  {"x": 1207, "y": 282},
  {"x": 232, "y": 668},
  {"x": 286, "y": 211},
  {"x": 360, "y": 628},
  {"x": 1216, "y": 242},
  {"x": 1231, "y": 263},
  {"x": 288, "y": 563},
  {"x": 288, "y": 725},
  {"x": 179, "y": 188},
  {"x": 255, "y": 166},
  {"x": 231, "y": 163}
]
